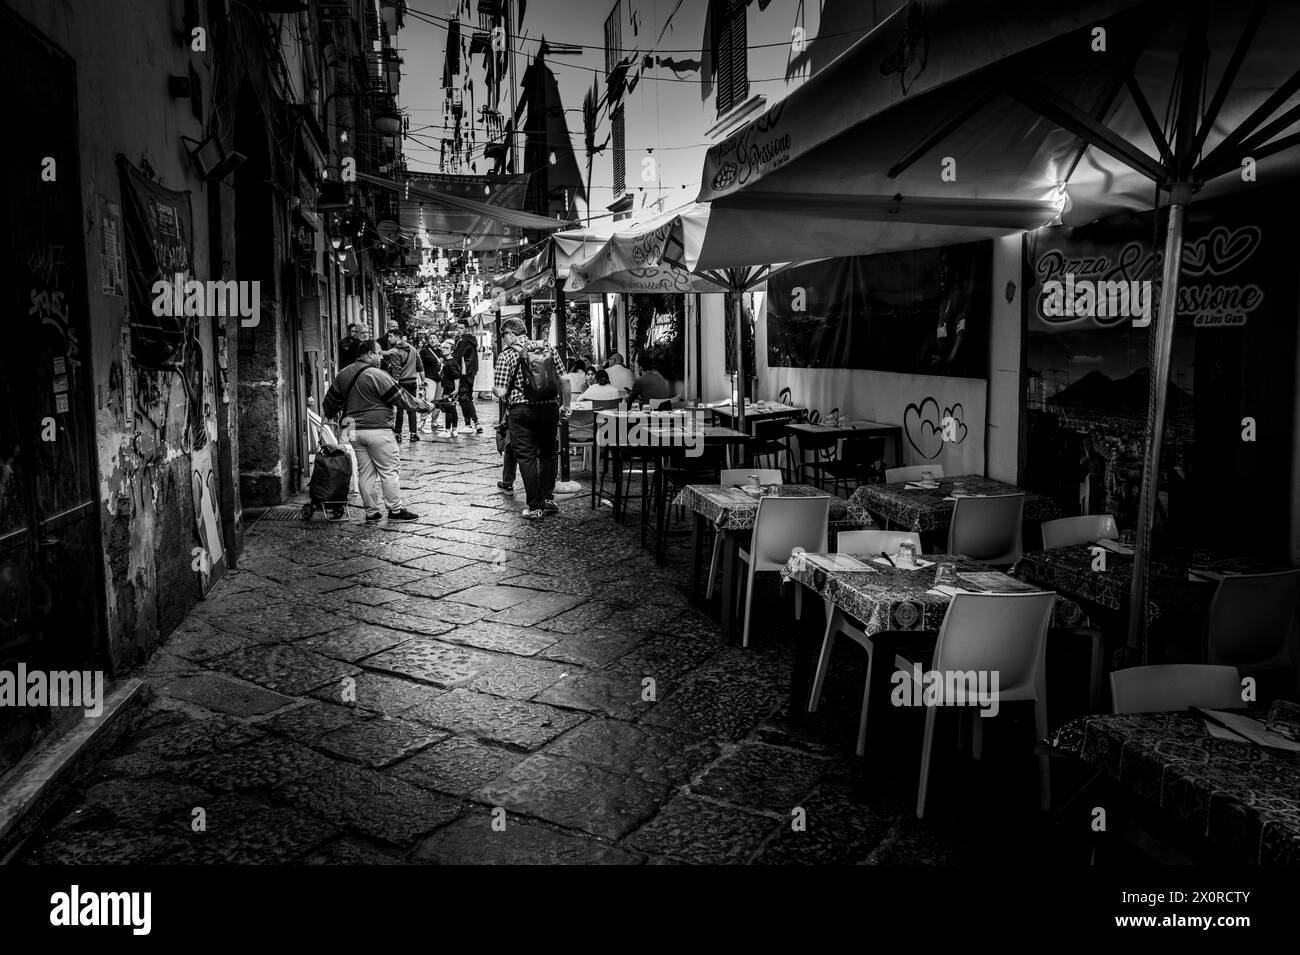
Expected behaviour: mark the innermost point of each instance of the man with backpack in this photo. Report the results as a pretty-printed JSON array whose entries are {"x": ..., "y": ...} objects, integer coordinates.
[{"x": 528, "y": 380}]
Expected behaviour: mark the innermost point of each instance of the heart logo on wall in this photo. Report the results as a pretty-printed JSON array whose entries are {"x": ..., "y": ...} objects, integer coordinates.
[{"x": 923, "y": 425}]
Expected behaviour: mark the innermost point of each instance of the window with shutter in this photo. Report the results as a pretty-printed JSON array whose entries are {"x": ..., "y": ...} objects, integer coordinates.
[
  {"x": 620, "y": 152},
  {"x": 732, "y": 59}
]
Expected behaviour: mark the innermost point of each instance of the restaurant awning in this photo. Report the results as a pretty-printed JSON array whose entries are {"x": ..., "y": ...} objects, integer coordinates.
[
  {"x": 986, "y": 114},
  {"x": 986, "y": 119},
  {"x": 661, "y": 254}
]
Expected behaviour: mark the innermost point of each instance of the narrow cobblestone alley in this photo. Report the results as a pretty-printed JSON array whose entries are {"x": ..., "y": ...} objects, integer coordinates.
[{"x": 495, "y": 664}]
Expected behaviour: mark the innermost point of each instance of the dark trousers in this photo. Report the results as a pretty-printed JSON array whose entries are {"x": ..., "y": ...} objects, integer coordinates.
[
  {"x": 465, "y": 395},
  {"x": 509, "y": 465},
  {"x": 447, "y": 407},
  {"x": 410, "y": 388},
  {"x": 533, "y": 437}
]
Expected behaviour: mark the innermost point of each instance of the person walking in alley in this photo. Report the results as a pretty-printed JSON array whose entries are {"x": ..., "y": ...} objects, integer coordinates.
[
  {"x": 402, "y": 361},
  {"x": 528, "y": 381},
  {"x": 466, "y": 357},
  {"x": 445, "y": 377},
  {"x": 365, "y": 396}
]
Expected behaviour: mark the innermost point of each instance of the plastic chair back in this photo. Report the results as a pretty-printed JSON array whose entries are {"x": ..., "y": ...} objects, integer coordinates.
[
  {"x": 1079, "y": 530},
  {"x": 582, "y": 427},
  {"x": 1252, "y": 620},
  {"x": 987, "y": 528},
  {"x": 660, "y": 404},
  {"x": 784, "y": 523},
  {"x": 997, "y": 633},
  {"x": 1175, "y": 686},
  {"x": 606, "y": 404},
  {"x": 873, "y": 542},
  {"x": 912, "y": 472},
  {"x": 735, "y": 477}
]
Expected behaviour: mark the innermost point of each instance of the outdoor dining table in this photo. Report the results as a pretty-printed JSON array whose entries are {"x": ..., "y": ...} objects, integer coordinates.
[
  {"x": 928, "y": 510},
  {"x": 876, "y": 429},
  {"x": 732, "y": 513},
  {"x": 896, "y": 606},
  {"x": 614, "y": 430},
  {"x": 1177, "y": 587},
  {"x": 1242, "y": 798},
  {"x": 758, "y": 412}
]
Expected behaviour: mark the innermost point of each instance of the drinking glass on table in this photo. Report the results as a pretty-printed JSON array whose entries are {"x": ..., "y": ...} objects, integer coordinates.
[
  {"x": 946, "y": 574},
  {"x": 958, "y": 488},
  {"x": 906, "y": 554},
  {"x": 1128, "y": 539},
  {"x": 927, "y": 477}
]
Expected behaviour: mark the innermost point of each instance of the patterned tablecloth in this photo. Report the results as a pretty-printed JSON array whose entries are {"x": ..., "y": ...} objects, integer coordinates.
[
  {"x": 731, "y": 509},
  {"x": 887, "y": 599},
  {"x": 926, "y": 510},
  {"x": 1173, "y": 586},
  {"x": 1237, "y": 795}
]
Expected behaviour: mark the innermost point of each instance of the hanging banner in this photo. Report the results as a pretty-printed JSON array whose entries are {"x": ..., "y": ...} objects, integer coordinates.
[
  {"x": 924, "y": 312},
  {"x": 158, "y": 233}
]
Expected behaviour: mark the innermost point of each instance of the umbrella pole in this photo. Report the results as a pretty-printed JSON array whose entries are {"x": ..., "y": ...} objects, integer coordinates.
[
  {"x": 1163, "y": 330},
  {"x": 562, "y": 337},
  {"x": 738, "y": 317}
]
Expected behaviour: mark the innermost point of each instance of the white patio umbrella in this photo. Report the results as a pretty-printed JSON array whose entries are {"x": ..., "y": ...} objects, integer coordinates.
[
  {"x": 662, "y": 254},
  {"x": 955, "y": 118}
]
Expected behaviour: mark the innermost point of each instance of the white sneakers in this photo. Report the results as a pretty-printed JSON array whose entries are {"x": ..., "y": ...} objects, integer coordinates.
[
  {"x": 444, "y": 433},
  {"x": 465, "y": 429}
]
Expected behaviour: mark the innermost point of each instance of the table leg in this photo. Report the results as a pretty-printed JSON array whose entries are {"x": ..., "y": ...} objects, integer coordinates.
[
  {"x": 808, "y": 633},
  {"x": 618, "y": 483},
  {"x": 728, "y": 594},
  {"x": 697, "y": 556}
]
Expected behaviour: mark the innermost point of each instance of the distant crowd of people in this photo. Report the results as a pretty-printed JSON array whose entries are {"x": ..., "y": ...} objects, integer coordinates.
[{"x": 387, "y": 383}]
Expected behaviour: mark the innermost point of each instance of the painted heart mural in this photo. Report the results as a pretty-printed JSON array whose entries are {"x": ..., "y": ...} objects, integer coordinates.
[{"x": 923, "y": 425}]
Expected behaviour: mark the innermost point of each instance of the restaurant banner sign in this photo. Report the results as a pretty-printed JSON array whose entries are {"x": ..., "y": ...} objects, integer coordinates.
[
  {"x": 1081, "y": 280},
  {"x": 158, "y": 233}
]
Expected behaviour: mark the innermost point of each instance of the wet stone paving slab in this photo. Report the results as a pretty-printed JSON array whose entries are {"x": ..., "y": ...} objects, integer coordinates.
[{"x": 475, "y": 688}]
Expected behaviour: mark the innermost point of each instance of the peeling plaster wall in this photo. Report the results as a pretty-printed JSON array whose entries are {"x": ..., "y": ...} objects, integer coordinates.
[{"x": 124, "y": 54}]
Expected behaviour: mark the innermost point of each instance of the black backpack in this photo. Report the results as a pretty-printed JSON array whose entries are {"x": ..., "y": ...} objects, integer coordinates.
[{"x": 539, "y": 380}]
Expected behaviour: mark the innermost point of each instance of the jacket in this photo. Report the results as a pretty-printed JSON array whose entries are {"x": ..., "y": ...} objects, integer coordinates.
[
  {"x": 405, "y": 365},
  {"x": 371, "y": 403},
  {"x": 447, "y": 376},
  {"x": 465, "y": 355}
]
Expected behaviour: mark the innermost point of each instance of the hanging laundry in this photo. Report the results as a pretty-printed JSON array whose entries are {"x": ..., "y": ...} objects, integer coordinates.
[{"x": 451, "y": 65}]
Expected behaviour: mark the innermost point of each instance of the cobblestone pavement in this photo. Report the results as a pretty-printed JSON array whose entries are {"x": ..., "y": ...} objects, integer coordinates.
[{"x": 473, "y": 688}]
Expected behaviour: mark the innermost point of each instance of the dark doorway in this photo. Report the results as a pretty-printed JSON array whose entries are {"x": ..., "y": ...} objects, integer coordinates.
[{"x": 51, "y": 590}]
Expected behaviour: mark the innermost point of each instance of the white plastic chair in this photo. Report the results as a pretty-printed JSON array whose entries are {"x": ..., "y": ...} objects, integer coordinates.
[
  {"x": 874, "y": 541},
  {"x": 1252, "y": 621},
  {"x": 1004, "y": 634},
  {"x": 782, "y": 524},
  {"x": 1079, "y": 530},
  {"x": 912, "y": 472},
  {"x": 1169, "y": 687},
  {"x": 987, "y": 528},
  {"x": 734, "y": 477},
  {"x": 838, "y": 622}
]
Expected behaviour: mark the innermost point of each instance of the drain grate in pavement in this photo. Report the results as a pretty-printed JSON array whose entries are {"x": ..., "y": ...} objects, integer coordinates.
[{"x": 283, "y": 512}]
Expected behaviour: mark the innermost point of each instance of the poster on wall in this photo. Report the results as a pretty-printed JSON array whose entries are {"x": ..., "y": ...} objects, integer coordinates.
[
  {"x": 210, "y": 553},
  {"x": 1091, "y": 295},
  {"x": 158, "y": 232},
  {"x": 922, "y": 312}
]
